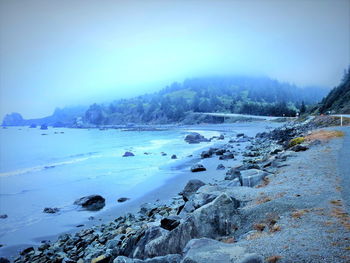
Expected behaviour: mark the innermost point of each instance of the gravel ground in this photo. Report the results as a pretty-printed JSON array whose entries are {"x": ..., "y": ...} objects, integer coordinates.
[{"x": 301, "y": 210}]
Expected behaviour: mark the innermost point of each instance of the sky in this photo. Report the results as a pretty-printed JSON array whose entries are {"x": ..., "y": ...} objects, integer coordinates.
[{"x": 75, "y": 52}]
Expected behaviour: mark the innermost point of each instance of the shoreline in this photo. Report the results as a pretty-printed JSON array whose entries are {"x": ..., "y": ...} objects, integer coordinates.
[
  {"x": 172, "y": 186},
  {"x": 181, "y": 175}
]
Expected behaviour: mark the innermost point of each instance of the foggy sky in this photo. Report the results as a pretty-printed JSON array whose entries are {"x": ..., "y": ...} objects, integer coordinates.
[{"x": 67, "y": 52}]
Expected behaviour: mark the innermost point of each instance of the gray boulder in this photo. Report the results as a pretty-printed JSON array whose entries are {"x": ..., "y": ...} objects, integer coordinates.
[
  {"x": 226, "y": 156},
  {"x": 218, "y": 218},
  {"x": 206, "y": 250},
  {"x": 198, "y": 168},
  {"x": 191, "y": 187},
  {"x": 128, "y": 154},
  {"x": 220, "y": 167},
  {"x": 195, "y": 137},
  {"x": 174, "y": 156},
  {"x": 299, "y": 148},
  {"x": 91, "y": 202},
  {"x": 251, "y": 177},
  {"x": 206, "y": 154}
]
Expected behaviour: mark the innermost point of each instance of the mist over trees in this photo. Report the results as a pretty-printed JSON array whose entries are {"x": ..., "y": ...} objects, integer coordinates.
[
  {"x": 246, "y": 95},
  {"x": 338, "y": 99}
]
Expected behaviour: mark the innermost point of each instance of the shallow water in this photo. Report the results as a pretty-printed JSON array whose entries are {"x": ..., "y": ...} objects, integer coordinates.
[{"x": 53, "y": 170}]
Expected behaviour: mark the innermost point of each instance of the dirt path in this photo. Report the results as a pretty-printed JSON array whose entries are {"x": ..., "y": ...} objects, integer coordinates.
[{"x": 300, "y": 215}]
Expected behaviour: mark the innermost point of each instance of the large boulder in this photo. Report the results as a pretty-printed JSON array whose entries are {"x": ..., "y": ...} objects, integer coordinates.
[
  {"x": 43, "y": 127},
  {"x": 128, "y": 154},
  {"x": 191, "y": 187},
  {"x": 198, "y": 168},
  {"x": 227, "y": 155},
  {"x": 195, "y": 137},
  {"x": 299, "y": 148},
  {"x": 91, "y": 202},
  {"x": 205, "y": 250},
  {"x": 218, "y": 218},
  {"x": 251, "y": 177}
]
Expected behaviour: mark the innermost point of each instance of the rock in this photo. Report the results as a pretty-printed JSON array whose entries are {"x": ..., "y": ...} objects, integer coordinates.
[
  {"x": 123, "y": 199},
  {"x": 27, "y": 251},
  {"x": 198, "y": 168},
  {"x": 220, "y": 151},
  {"x": 220, "y": 167},
  {"x": 221, "y": 137},
  {"x": 91, "y": 202},
  {"x": 205, "y": 250},
  {"x": 80, "y": 225},
  {"x": 299, "y": 148},
  {"x": 205, "y": 154},
  {"x": 3, "y": 216},
  {"x": 191, "y": 187},
  {"x": 170, "y": 222},
  {"x": 205, "y": 195},
  {"x": 242, "y": 139},
  {"x": 218, "y": 218},
  {"x": 226, "y": 156},
  {"x": 232, "y": 173},
  {"x": 195, "y": 138},
  {"x": 43, "y": 127},
  {"x": 128, "y": 154},
  {"x": 33, "y": 125},
  {"x": 50, "y": 210},
  {"x": 144, "y": 240},
  {"x": 240, "y": 135},
  {"x": 174, "y": 156},
  {"x": 4, "y": 260},
  {"x": 251, "y": 177},
  {"x": 164, "y": 154}
]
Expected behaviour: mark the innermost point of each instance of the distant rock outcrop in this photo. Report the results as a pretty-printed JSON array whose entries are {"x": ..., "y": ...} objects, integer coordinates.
[{"x": 13, "y": 119}]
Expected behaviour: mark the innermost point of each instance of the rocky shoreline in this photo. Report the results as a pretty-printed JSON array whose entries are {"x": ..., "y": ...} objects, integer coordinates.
[{"x": 204, "y": 223}]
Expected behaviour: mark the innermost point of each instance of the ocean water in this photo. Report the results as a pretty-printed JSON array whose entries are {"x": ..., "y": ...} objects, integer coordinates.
[{"x": 55, "y": 169}]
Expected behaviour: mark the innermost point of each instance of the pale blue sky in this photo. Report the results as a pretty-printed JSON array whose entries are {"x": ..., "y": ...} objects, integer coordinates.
[{"x": 64, "y": 52}]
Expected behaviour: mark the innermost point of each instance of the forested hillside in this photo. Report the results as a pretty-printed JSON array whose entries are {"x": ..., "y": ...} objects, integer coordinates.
[
  {"x": 338, "y": 100},
  {"x": 259, "y": 96}
]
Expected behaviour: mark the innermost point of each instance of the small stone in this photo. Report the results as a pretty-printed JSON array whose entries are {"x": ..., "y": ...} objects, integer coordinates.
[
  {"x": 220, "y": 167},
  {"x": 174, "y": 156},
  {"x": 3, "y": 216},
  {"x": 50, "y": 210},
  {"x": 198, "y": 168},
  {"x": 123, "y": 199}
]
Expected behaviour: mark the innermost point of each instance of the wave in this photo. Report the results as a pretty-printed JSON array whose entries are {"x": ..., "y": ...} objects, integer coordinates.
[{"x": 46, "y": 166}]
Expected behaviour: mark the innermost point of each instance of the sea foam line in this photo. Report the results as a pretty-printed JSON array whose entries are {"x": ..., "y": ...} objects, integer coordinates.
[{"x": 46, "y": 166}]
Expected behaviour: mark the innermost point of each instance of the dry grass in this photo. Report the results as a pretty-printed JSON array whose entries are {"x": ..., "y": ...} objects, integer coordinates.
[
  {"x": 299, "y": 213},
  {"x": 273, "y": 259},
  {"x": 263, "y": 199},
  {"x": 264, "y": 183},
  {"x": 324, "y": 135},
  {"x": 342, "y": 216},
  {"x": 336, "y": 202},
  {"x": 275, "y": 228},
  {"x": 259, "y": 227}
]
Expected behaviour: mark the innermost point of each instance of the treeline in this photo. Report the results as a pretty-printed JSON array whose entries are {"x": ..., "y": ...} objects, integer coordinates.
[
  {"x": 338, "y": 100},
  {"x": 246, "y": 95}
]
